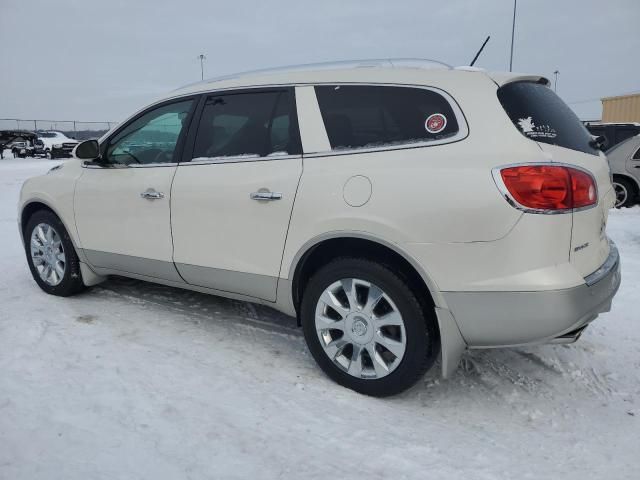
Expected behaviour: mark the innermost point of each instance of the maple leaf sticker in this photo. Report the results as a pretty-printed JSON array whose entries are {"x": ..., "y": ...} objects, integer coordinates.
[{"x": 526, "y": 124}]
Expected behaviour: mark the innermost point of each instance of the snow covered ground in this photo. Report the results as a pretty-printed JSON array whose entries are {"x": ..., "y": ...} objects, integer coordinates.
[{"x": 132, "y": 380}]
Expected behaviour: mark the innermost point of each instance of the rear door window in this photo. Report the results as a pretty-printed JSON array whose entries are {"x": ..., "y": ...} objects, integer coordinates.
[
  {"x": 623, "y": 133},
  {"x": 247, "y": 124},
  {"x": 539, "y": 114},
  {"x": 370, "y": 116}
]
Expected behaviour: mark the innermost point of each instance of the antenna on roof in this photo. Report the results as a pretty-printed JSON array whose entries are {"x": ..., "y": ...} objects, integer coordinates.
[{"x": 479, "y": 51}]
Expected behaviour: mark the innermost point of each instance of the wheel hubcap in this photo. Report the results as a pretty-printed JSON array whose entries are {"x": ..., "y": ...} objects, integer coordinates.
[
  {"x": 360, "y": 328},
  {"x": 621, "y": 194},
  {"x": 47, "y": 254}
]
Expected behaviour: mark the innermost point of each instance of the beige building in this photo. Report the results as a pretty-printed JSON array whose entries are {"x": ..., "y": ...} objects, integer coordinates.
[{"x": 624, "y": 108}]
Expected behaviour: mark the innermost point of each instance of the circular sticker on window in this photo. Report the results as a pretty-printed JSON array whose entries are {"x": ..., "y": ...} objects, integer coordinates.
[{"x": 435, "y": 123}]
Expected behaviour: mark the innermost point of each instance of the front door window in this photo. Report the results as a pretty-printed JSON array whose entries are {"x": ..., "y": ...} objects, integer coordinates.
[{"x": 151, "y": 138}]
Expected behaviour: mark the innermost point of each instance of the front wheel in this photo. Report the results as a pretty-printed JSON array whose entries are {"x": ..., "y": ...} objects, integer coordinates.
[
  {"x": 366, "y": 328},
  {"x": 51, "y": 256}
]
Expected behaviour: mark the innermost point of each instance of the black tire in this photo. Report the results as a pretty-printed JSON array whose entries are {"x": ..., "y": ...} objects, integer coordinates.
[
  {"x": 71, "y": 282},
  {"x": 422, "y": 336},
  {"x": 624, "y": 185}
]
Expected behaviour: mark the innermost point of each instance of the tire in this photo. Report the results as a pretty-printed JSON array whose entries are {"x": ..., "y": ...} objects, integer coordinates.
[
  {"x": 70, "y": 282},
  {"x": 625, "y": 192},
  {"x": 385, "y": 373}
]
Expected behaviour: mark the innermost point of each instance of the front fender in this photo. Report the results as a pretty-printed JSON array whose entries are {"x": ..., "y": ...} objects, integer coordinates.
[{"x": 55, "y": 191}]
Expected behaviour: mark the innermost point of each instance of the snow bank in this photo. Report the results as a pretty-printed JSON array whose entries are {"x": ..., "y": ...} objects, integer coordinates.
[{"x": 133, "y": 380}]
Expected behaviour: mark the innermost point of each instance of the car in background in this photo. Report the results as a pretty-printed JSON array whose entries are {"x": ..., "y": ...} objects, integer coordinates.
[
  {"x": 20, "y": 142},
  {"x": 624, "y": 161},
  {"x": 613, "y": 133},
  {"x": 38, "y": 149},
  {"x": 57, "y": 144},
  {"x": 19, "y": 149}
]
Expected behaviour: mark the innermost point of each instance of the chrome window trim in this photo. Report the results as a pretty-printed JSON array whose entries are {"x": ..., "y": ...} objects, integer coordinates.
[
  {"x": 463, "y": 125},
  {"x": 504, "y": 191},
  {"x": 122, "y": 165},
  {"x": 238, "y": 159}
]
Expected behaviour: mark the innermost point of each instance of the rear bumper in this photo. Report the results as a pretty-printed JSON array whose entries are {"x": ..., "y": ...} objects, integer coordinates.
[{"x": 494, "y": 319}]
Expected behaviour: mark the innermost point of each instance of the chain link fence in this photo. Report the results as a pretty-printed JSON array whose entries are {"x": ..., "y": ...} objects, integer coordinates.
[{"x": 71, "y": 128}]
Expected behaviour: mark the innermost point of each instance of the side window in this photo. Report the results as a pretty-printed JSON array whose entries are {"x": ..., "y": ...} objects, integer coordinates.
[
  {"x": 623, "y": 133},
  {"x": 636, "y": 156},
  {"x": 370, "y": 116},
  {"x": 151, "y": 138},
  {"x": 247, "y": 124}
]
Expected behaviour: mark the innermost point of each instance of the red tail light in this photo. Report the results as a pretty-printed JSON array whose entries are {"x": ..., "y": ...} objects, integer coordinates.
[{"x": 549, "y": 187}]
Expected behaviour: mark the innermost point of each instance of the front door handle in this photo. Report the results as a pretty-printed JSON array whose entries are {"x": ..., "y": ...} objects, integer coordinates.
[
  {"x": 151, "y": 194},
  {"x": 265, "y": 195}
]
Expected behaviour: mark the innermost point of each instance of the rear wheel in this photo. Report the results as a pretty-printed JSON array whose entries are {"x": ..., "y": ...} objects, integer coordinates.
[
  {"x": 625, "y": 193},
  {"x": 51, "y": 256},
  {"x": 366, "y": 328}
]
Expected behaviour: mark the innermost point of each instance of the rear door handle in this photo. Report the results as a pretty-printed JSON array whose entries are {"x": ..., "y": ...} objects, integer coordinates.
[
  {"x": 265, "y": 196},
  {"x": 151, "y": 194}
]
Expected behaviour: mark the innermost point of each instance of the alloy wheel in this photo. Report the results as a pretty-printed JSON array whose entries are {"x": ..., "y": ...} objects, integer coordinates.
[
  {"x": 621, "y": 194},
  {"x": 360, "y": 328},
  {"x": 47, "y": 254}
]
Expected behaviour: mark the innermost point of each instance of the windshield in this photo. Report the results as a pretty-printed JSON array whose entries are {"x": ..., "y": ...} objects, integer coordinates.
[{"x": 539, "y": 114}]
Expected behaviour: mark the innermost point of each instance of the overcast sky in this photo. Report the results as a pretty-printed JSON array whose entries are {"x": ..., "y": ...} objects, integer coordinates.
[{"x": 101, "y": 60}]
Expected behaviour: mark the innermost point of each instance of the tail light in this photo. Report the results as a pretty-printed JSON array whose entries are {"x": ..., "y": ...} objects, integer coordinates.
[{"x": 546, "y": 188}]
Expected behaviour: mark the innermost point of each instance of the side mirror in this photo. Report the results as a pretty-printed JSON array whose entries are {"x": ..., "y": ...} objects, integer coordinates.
[{"x": 88, "y": 150}]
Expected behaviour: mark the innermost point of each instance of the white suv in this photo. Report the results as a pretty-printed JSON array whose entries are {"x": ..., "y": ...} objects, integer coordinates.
[{"x": 399, "y": 209}]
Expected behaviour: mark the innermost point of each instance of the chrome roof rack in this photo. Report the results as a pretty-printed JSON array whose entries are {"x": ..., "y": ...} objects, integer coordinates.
[{"x": 418, "y": 63}]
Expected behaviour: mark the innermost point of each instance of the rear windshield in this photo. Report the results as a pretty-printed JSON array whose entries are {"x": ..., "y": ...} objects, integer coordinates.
[{"x": 542, "y": 116}]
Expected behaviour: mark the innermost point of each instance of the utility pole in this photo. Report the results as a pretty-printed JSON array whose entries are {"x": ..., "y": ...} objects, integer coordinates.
[
  {"x": 513, "y": 32},
  {"x": 202, "y": 58},
  {"x": 555, "y": 82}
]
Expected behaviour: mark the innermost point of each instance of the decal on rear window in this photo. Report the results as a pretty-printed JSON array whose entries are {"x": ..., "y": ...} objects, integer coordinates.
[
  {"x": 435, "y": 123},
  {"x": 530, "y": 129}
]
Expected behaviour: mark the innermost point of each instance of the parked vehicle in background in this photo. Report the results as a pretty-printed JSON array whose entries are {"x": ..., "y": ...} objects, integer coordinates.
[
  {"x": 613, "y": 133},
  {"x": 57, "y": 144},
  {"x": 438, "y": 209},
  {"x": 20, "y": 142},
  {"x": 19, "y": 149},
  {"x": 38, "y": 148},
  {"x": 624, "y": 161}
]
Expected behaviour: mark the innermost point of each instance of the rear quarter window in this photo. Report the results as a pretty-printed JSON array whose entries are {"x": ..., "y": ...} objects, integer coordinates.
[
  {"x": 370, "y": 116},
  {"x": 539, "y": 114}
]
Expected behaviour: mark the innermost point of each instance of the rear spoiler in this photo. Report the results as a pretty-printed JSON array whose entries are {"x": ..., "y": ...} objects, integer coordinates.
[{"x": 502, "y": 78}]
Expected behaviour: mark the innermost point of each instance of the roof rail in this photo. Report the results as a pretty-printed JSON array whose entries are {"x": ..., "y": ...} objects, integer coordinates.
[{"x": 338, "y": 65}]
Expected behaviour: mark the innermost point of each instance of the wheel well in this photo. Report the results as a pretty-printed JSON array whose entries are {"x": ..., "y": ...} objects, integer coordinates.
[
  {"x": 29, "y": 210},
  {"x": 633, "y": 183},
  {"x": 327, "y": 250}
]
